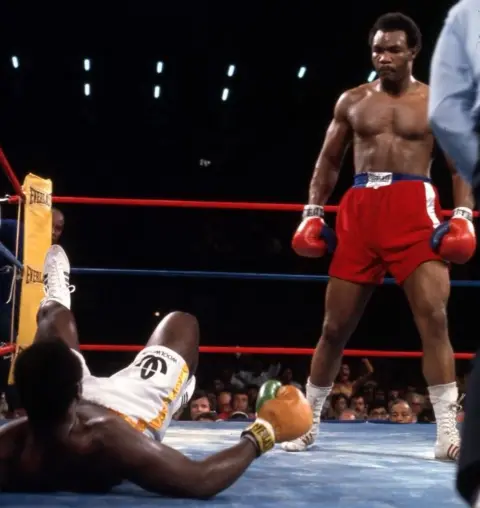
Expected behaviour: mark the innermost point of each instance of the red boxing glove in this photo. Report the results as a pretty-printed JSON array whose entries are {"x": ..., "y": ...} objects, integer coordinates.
[
  {"x": 313, "y": 237},
  {"x": 455, "y": 240}
]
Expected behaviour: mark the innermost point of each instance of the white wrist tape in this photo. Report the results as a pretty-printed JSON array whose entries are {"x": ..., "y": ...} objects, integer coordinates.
[
  {"x": 313, "y": 211},
  {"x": 464, "y": 212}
]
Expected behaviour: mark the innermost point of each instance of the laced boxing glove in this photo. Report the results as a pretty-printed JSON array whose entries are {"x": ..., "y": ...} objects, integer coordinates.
[
  {"x": 313, "y": 237},
  {"x": 283, "y": 414},
  {"x": 455, "y": 240}
]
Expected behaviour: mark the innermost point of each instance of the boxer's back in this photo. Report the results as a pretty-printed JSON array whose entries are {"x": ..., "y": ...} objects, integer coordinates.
[
  {"x": 76, "y": 463},
  {"x": 390, "y": 133}
]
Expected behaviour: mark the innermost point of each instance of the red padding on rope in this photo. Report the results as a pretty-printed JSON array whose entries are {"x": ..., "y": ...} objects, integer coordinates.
[
  {"x": 179, "y": 203},
  {"x": 260, "y": 351},
  {"x": 276, "y": 351}
]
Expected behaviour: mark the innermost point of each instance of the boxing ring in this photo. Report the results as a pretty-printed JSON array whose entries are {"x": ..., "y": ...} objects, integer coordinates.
[{"x": 359, "y": 464}]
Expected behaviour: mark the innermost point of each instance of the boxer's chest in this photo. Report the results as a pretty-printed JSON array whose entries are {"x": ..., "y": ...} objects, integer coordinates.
[{"x": 404, "y": 117}]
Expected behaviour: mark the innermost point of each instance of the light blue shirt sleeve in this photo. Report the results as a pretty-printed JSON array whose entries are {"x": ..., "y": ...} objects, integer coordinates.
[{"x": 452, "y": 98}]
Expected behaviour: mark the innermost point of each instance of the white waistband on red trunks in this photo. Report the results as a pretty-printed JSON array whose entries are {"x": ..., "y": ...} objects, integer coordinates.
[{"x": 376, "y": 179}]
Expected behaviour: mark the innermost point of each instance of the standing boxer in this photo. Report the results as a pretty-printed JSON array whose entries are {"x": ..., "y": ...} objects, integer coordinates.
[{"x": 390, "y": 220}]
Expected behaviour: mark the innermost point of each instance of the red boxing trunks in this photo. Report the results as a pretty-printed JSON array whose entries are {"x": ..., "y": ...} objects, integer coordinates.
[{"x": 384, "y": 224}]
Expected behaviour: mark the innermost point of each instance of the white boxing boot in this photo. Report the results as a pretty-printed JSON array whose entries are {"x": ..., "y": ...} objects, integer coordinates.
[
  {"x": 56, "y": 277},
  {"x": 444, "y": 402},
  {"x": 316, "y": 396}
]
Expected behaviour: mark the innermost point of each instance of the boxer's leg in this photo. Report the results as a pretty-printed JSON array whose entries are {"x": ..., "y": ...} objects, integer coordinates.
[
  {"x": 54, "y": 318},
  {"x": 428, "y": 290},
  {"x": 180, "y": 332},
  {"x": 344, "y": 306}
]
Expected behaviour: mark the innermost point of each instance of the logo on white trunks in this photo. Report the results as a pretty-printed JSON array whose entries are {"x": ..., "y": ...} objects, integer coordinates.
[
  {"x": 150, "y": 365},
  {"x": 376, "y": 180}
]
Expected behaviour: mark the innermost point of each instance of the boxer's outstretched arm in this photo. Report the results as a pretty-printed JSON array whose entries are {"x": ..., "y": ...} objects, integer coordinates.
[
  {"x": 327, "y": 167},
  {"x": 158, "y": 468}
]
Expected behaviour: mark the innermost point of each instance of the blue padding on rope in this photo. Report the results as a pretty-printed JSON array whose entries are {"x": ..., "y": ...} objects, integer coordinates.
[
  {"x": 10, "y": 256},
  {"x": 198, "y": 274}
]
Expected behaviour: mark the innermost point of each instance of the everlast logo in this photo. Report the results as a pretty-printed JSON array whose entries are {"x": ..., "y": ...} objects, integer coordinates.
[
  {"x": 40, "y": 198},
  {"x": 33, "y": 277},
  {"x": 380, "y": 177}
]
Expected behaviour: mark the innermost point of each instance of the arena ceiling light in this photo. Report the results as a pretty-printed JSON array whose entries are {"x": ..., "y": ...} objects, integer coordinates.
[
  {"x": 225, "y": 94},
  {"x": 231, "y": 71},
  {"x": 86, "y": 64},
  {"x": 301, "y": 72},
  {"x": 371, "y": 76},
  {"x": 86, "y": 89},
  {"x": 15, "y": 62},
  {"x": 156, "y": 91},
  {"x": 159, "y": 67}
]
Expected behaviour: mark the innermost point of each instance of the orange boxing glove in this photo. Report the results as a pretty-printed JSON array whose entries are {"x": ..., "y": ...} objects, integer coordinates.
[
  {"x": 284, "y": 414},
  {"x": 313, "y": 237},
  {"x": 455, "y": 240}
]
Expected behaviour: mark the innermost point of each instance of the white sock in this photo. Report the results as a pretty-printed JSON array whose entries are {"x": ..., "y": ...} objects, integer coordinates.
[
  {"x": 316, "y": 396},
  {"x": 443, "y": 398}
]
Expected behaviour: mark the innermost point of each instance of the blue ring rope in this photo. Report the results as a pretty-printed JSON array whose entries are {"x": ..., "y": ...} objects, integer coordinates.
[
  {"x": 232, "y": 275},
  {"x": 199, "y": 274}
]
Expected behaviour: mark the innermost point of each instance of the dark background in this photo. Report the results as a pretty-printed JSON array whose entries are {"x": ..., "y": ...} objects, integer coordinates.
[{"x": 262, "y": 143}]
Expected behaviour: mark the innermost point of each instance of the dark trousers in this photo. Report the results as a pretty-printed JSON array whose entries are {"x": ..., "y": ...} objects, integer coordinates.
[{"x": 468, "y": 473}]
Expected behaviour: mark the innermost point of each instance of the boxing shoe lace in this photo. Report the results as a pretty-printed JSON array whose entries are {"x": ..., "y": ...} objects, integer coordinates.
[
  {"x": 56, "y": 280},
  {"x": 448, "y": 435}
]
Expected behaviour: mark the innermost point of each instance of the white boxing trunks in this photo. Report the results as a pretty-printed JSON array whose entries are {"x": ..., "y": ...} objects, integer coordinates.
[{"x": 147, "y": 393}]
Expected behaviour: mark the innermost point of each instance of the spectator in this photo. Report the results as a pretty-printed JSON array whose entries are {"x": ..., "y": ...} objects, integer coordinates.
[
  {"x": 252, "y": 391},
  {"x": 240, "y": 403},
  {"x": 347, "y": 387},
  {"x": 3, "y": 406},
  {"x": 348, "y": 415},
  {"x": 358, "y": 405},
  {"x": 255, "y": 375},
  {"x": 286, "y": 378},
  {"x": 199, "y": 404},
  {"x": 416, "y": 402},
  {"x": 401, "y": 412},
  {"x": 338, "y": 404},
  {"x": 378, "y": 413},
  {"x": 224, "y": 405}
]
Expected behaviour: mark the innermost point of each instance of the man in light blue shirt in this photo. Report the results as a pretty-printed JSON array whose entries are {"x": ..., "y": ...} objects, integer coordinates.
[
  {"x": 454, "y": 103},
  {"x": 454, "y": 114}
]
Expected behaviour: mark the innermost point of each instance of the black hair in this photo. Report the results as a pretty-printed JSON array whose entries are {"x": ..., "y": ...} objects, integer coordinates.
[
  {"x": 240, "y": 391},
  {"x": 199, "y": 394},
  {"x": 396, "y": 21},
  {"x": 47, "y": 376}
]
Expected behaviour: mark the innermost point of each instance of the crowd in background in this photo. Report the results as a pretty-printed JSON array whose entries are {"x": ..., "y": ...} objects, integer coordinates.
[{"x": 358, "y": 394}]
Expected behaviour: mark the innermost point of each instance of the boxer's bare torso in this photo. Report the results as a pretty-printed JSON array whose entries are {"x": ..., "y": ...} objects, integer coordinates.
[
  {"x": 75, "y": 458},
  {"x": 390, "y": 133}
]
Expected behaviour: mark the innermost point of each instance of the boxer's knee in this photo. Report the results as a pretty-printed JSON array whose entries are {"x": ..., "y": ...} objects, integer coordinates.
[
  {"x": 432, "y": 322},
  {"x": 335, "y": 334},
  {"x": 180, "y": 332}
]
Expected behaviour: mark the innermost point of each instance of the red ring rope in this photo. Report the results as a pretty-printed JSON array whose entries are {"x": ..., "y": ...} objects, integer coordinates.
[
  {"x": 261, "y": 351},
  {"x": 180, "y": 203}
]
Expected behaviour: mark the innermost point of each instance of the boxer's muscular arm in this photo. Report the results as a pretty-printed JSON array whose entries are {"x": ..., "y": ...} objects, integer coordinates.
[
  {"x": 462, "y": 191},
  {"x": 337, "y": 139},
  {"x": 158, "y": 468}
]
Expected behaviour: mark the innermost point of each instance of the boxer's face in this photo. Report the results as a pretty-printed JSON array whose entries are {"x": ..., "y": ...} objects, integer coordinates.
[{"x": 391, "y": 55}]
